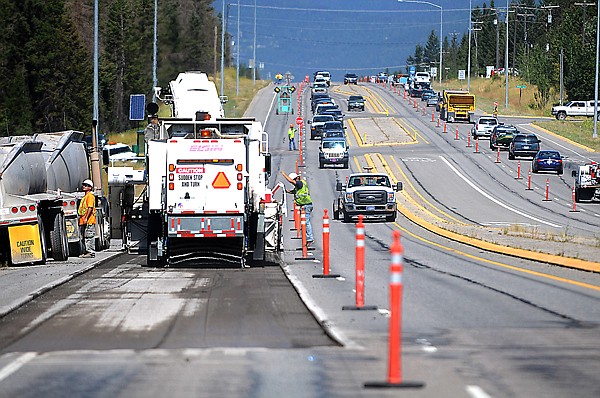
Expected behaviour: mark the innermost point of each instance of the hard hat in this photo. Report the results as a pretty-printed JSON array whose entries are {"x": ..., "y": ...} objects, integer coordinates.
[
  {"x": 293, "y": 176},
  {"x": 88, "y": 182}
]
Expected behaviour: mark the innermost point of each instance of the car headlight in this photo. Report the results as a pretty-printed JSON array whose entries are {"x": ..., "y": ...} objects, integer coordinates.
[
  {"x": 390, "y": 197},
  {"x": 349, "y": 197}
]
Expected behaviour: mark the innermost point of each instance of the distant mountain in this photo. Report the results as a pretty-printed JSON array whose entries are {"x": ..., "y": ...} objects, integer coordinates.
[{"x": 364, "y": 37}]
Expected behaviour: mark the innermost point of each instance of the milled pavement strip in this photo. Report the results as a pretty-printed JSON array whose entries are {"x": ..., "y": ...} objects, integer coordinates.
[
  {"x": 388, "y": 169},
  {"x": 8, "y": 308},
  {"x": 515, "y": 252}
]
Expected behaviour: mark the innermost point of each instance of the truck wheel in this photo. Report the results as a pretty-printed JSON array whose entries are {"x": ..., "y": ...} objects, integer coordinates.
[
  {"x": 321, "y": 165},
  {"x": 58, "y": 238},
  {"x": 577, "y": 195},
  {"x": 334, "y": 212},
  {"x": 347, "y": 218},
  {"x": 511, "y": 156},
  {"x": 561, "y": 115}
]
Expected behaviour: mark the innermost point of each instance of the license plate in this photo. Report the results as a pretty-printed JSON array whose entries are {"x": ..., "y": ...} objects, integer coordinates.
[
  {"x": 525, "y": 146},
  {"x": 370, "y": 208}
]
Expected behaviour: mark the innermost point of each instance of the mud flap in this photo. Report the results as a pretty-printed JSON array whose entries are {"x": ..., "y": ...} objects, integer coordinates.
[{"x": 259, "y": 247}]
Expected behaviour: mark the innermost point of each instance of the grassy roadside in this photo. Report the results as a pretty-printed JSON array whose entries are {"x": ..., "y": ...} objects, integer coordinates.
[
  {"x": 235, "y": 106},
  {"x": 523, "y": 102}
]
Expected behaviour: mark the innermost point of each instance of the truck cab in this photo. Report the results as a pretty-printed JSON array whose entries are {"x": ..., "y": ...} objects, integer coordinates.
[{"x": 371, "y": 194}]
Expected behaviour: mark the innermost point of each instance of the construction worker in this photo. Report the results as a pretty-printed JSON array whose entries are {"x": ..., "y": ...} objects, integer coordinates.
[
  {"x": 292, "y": 137},
  {"x": 302, "y": 199},
  {"x": 152, "y": 130},
  {"x": 87, "y": 219}
]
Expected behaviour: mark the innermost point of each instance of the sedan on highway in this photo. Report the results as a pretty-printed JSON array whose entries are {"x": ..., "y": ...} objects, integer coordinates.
[{"x": 547, "y": 160}]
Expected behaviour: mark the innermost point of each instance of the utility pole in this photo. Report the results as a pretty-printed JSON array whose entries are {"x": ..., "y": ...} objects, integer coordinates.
[
  {"x": 477, "y": 29},
  {"x": 237, "y": 66},
  {"x": 506, "y": 61},
  {"x": 497, "y": 23},
  {"x": 223, "y": 50},
  {"x": 469, "y": 60},
  {"x": 585, "y": 6},
  {"x": 254, "y": 49}
]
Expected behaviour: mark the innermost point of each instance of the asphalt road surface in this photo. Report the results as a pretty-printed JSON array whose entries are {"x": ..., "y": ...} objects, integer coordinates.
[{"x": 475, "y": 323}]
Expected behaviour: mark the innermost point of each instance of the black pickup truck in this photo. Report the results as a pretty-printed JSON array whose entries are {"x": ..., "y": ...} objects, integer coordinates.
[
  {"x": 356, "y": 102},
  {"x": 350, "y": 78}
]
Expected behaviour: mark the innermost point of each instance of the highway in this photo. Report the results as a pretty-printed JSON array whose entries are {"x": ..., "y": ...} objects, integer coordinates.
[{"x": 476, "y": 323}]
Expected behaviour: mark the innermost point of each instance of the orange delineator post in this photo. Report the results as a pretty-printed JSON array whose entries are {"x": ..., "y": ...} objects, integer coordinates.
[
  {"x": 360, "y": 268},
  {"x": 394, "y": 374},
  {"x": 360, "y": 262},
  {"x": 519, "y": 169},
  {"x": 404, "y": 94},
  {"x": 547, "y": 190},
  {"x": 456, "y": 135},
  {"x": 574, "y": 200},
  {"x": 326, "y": 273},
  {"x": 476, "y": 145},
  {"x": 468, "y": 140},
  {"x": 297, "y": 220},
  {"x": 300, "y": 155},
  {"x": 528, "y": 180},
  {"x": 444, "y": 127},
  {"x": 303, "y": 224},
  {"x": 438, "y": 122},
  {"x": 498, "y": 155},
  {"x": 432, "y": 116}
]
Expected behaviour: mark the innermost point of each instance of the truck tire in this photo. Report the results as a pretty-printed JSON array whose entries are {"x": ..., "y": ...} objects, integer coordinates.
[
  {"x": 58, "y": 238},
  {"x": 347, "y": 218},
  {"x": 334, "y": 211},
  {"x": 561, "y": 115},
  {"x": 345, "y": 165}
]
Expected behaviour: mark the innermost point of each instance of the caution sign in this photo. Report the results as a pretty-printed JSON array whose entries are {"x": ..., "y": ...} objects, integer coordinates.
[{"x": 25, "y": 243}]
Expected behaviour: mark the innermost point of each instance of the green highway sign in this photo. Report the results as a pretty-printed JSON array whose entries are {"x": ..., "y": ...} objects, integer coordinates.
[{"x": 522, "y": 86}]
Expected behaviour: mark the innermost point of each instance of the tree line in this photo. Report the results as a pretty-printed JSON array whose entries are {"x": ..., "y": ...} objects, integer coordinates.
[
  {"x": 46, "y": 58},
  {"x": 538, "y": 35}
]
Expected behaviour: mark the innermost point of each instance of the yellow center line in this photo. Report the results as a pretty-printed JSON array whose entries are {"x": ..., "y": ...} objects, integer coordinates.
[
  {"x": 421, "y": 196},
  {"x": 499, "y": 264}
]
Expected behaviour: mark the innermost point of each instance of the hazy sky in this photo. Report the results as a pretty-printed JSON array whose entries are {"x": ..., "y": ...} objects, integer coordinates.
[{"x": 360, "y": 36}]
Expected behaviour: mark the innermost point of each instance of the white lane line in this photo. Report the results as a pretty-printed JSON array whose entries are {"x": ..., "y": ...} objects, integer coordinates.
[
  {"x": 16, "y": 364},
  {"x": 477, "y": 392},
  {"x": 496, "y": 200}
]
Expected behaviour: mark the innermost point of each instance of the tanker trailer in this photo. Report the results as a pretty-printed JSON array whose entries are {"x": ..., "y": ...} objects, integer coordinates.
[
  {"x": 32, "y": 221},
  {"x": 67, "y": 165}
]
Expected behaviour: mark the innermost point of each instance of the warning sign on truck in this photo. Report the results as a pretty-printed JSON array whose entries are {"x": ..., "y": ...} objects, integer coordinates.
[{"x": 25, "y": 243}]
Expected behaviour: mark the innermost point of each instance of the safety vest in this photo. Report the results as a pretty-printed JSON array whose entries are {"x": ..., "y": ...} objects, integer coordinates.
[
  {"x": 302, "y": 195},
  {"x": 291, "y": 133},
  {"x": 88, "y": 200}
]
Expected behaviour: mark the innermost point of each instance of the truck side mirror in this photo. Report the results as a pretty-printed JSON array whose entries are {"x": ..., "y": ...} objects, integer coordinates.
[
  {"x": 309, "y": 122},
  {"x": 268, "y": 164},
  {"x": 574, "y": 173},
  {"x": 399, "y": 186},
  {"x": 339, "y": 186}
]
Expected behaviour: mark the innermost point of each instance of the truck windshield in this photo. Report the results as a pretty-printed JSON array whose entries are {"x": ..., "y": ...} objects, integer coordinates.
[{"x": 380, "y": 181}]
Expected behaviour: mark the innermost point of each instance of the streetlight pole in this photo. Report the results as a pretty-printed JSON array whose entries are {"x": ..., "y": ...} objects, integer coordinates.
[
  {"x": 441, "y": 27},
  {"x": 155, "y": 51},
  {"x": 254, "y": 49},
  {"x": 237, "y": 66}
]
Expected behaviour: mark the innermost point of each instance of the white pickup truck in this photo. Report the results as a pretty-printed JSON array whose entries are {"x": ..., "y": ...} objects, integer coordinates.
[{"x": 574, "y": 108}]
